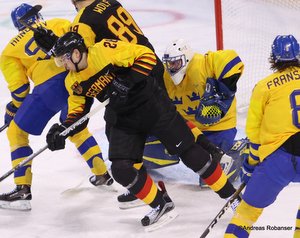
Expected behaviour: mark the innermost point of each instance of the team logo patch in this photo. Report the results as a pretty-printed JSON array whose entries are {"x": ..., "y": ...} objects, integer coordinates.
[{"x": 76, "y": 87}]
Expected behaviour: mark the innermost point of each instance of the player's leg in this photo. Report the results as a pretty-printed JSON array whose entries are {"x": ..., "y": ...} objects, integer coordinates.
[
  {"x": 31, "y": 118},
  {"x": 125, "y": 149},
  {"x": 91, "y": 152},
  {"x": 178, "y": 139},
  {"x": 267, "y": 181}
]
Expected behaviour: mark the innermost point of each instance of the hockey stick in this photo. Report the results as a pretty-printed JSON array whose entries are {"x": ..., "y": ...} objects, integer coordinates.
[
  {"x": 3, "y": 127},
  {"x": 64, "y": 133},
  {"x": 33, "y": 11},
  {"x": 222, "y": 211}
]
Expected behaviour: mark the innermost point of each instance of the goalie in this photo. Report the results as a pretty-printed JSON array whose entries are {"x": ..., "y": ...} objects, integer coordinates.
[{"x": 203, "y": 89}]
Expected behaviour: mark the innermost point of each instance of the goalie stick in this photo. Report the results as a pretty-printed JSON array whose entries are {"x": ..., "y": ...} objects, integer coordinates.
[
  {"x": 222, "y": 211},
  {"x": 3, "y": 127},
  {"x": 64, "y": 133}
]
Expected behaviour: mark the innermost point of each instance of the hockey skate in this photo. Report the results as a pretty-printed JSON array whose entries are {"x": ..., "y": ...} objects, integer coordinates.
[
  {"x": 104, "y": 182},
  {"x": 99, "y": 180},
  {"x": 160, "y": 215},
  {"x": 18, "y": 199},
  {"x": 127, "y": 200}
]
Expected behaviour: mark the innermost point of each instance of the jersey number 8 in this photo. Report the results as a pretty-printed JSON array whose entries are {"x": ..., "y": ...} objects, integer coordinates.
[
  {"x": 296, "y": 107},
  {"x": 121, "y": 27}
]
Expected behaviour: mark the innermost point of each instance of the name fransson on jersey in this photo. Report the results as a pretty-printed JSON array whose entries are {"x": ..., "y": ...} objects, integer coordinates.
[{"x": 283, "y": 78}]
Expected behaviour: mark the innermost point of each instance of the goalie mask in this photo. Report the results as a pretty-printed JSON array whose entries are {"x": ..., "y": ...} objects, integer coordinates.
[
  {"x": 20, "y": 11},
  {"x": 176, "y": 58}
]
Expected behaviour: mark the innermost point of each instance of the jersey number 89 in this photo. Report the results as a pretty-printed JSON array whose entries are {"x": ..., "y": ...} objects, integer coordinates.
[{"x": 120, "y": 27}]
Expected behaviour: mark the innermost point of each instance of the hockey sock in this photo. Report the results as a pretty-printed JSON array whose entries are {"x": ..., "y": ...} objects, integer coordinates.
[
  {"x": 20, "y": 149},
  {"x": 297, "y": 227},
  {"x": 138, "y": 182},
  {"x": 90, "y": 151},
  {"x": 197, "y": 159},
  {"x": 217, "y": 180},
  {"x": 240, "y": 225}
]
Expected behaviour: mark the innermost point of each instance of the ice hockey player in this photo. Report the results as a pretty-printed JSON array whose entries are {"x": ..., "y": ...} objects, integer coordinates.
[
  {"x": 272, "y": 127},
  {"x": 121, "y": 72},
  {"x": 203, "y": 89},
  {"x": 28, "y": 113}
]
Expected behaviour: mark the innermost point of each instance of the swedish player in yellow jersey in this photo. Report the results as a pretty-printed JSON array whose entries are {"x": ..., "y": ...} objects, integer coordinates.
[
  {"x": 203, "y": 89},
  {"x": 122, "y": 72},
  {"x": 273, "y": 128},
  {"x": 28, "y": 113}
]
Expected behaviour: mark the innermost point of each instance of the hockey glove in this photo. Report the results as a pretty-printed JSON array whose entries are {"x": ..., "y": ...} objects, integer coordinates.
[
  {"x": 214, "y": 103},
  {"x": 246, "y": 171},
  {"x": 125, "y": 80},
  {"x": 54, "y": 140},
  {"x": 210, "y": 147},
  {"x": 10, "y": 112},
  {"x": 45, "y": 39}
]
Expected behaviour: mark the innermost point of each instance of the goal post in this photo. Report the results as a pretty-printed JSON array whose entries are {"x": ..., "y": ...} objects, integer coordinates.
[{"x": 249, "y": 27}]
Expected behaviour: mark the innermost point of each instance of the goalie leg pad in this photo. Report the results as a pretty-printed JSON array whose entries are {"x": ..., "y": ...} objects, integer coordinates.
[{"x": 156, "y": 155}]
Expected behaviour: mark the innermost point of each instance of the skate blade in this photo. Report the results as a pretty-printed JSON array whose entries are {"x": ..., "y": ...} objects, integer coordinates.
[
  {"x": 21, "y": 205},
  {"x": 80, "y": 189},
  {"x": 164, "y": 220},
  {"x": 132, "y": 204}
]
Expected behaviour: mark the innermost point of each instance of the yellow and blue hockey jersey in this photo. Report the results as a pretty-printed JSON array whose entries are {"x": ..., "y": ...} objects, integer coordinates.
[
  {"x": 22, "y": 60},
  {"x": 186, "y": 95},
  {"x": 274, "y": 113}
]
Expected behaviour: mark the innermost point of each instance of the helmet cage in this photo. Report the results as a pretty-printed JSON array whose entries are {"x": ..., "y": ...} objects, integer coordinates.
[
  {"x": 174, "y": 64},
  {"x": 19, "y": 12}
]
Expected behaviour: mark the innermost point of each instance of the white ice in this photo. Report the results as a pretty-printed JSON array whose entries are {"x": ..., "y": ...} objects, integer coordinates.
[{"x": 87, "y": 212}]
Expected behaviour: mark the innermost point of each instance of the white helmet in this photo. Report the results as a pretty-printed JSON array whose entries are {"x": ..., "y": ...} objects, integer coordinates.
[{"x": 176, "y": 58}]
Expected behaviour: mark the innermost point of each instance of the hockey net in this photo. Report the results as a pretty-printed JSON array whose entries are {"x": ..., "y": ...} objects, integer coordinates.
[{"x": 249, "y": 27}]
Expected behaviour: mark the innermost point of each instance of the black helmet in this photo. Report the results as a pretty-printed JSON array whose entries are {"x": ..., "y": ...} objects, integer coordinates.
[{"x": 67, "y": 43}]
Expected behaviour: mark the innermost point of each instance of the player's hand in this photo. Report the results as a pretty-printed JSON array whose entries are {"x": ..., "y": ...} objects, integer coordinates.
[
  {"x": 246, "y": 171},
  {"x": 54, "y": 140},
  {"x": 10, "y": 112},
  {"x": 45, "y": 39}
]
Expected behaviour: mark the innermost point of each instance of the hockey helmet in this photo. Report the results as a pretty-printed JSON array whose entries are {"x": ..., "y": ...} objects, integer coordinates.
[
  {"x": 65, "y": 45},
  {"x": 176, "y": 58},
  {"x": 20, "y": 11},
  {"x": 285, "y": 48}
]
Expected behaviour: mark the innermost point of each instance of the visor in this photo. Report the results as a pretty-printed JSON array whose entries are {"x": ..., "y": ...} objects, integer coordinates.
[{"x": 61, "y": 60}]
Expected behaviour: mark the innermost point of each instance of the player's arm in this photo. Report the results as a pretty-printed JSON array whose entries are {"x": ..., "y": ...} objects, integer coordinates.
[
  {"x": 15, "y": 75},
  {"x": 226, "y": 67},
  {"x": 138, "y": 58},
  {"x": 78, "y": 106},
  {"x": 254, "y": 120},
  {"x": 253, "y": 124}
]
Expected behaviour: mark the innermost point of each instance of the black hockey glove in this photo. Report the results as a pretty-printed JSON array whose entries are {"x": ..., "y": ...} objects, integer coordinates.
[
  {"x": 45, "y": 39},
  {"x": 210, "y": 147},
  {"x": 54, "y": 140},
  {"x": 121, "y": 85}
]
